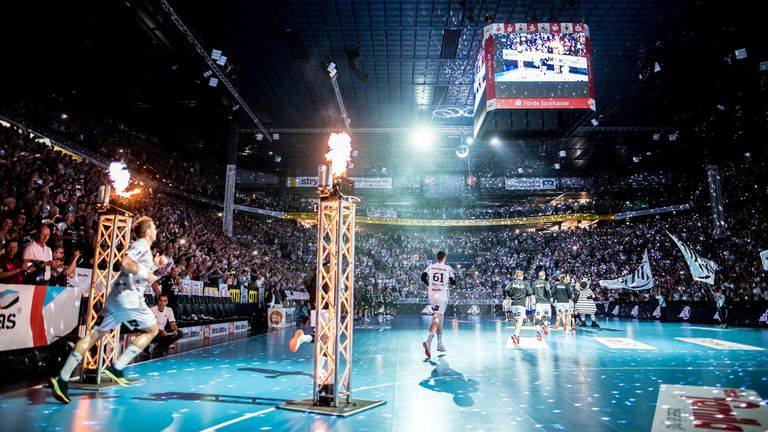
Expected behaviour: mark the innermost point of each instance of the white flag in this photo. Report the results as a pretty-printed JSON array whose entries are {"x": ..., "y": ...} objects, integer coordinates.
[
  {"x": 641, "y": 279},
  {"x": 702, "y": 269},
  {"x": 764, "y": 259}
]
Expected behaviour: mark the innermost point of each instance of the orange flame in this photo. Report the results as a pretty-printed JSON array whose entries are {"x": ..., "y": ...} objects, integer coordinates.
[
  {"x": 340, "y": 152},
  {"x": 120, "y": 177}
]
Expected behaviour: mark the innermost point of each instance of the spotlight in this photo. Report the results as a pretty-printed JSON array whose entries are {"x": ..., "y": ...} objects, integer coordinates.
[
  {"x": 213, "y": 82},
  {"x": 422, "y": 137},
  {"x": 594, "y": 122},
  {"x": 673, "y": 136},
  {"x": 656, "y": 67},
  {"x": 354, "y": 153},
  {"x": 275, "y": 136},
  {"x": 235, "y": 107},
  {"x": 557, "y": 165},
  {"x": 351, "y": 165},
  {"x": 207, "y": 73},
  {"x": 495, "y": 141},
  {"x": 656, "y": 137},
  {"x": 562, "y": 153},
  {"x": 64, "y": 116},
  {"x": 741, "y": 53},
  {"x": 221, "y": 61},
  {"x": 520, "y": 170},
  {"x": 259, "y": 136},
  {"x": 469, "y": 140},
  {"x": 278, "y": 158},
  {"x": 635, "y": 159},
  {"x": 216, "y": 54}
]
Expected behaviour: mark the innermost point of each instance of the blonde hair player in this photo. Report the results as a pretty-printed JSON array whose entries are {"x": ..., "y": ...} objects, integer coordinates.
[
  {"x": 437, "y": 277},
  {"x": 125, "y": 304}
]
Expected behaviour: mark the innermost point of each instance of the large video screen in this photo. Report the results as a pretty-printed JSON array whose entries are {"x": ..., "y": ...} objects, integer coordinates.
[
  {"x": 537, "y": 66},
  {"x": 479, "y": 78}
]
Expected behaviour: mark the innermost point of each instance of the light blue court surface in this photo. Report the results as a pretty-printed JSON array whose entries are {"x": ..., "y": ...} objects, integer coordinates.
[{"x": 570, "y": 383}]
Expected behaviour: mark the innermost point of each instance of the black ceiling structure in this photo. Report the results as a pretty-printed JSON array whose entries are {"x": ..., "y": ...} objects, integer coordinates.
[{"x": 660, "y": 67}]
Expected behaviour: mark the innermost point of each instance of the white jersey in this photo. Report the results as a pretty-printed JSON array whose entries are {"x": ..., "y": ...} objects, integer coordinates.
[
  {"x": 439, "y": 278},
  {"x": 128, "y": 288}
]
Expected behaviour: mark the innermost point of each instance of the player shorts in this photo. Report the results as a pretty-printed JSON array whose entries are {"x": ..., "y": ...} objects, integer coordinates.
[
  {"x": 438, "y": 307},
  {"x": 563, "y": 308},
  {"x": 113, "y": 314},
  {"x": 543, "y": 309},
  {"x": 518, "y": 311}
]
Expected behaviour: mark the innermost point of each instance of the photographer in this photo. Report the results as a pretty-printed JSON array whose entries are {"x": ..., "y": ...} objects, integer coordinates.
[
  {"x": 62, "y": 275},
  {"x": 40, "y": 256}
]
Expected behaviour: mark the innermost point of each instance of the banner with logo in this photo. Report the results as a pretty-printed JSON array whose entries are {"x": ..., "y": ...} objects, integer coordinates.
[
  {"x": 682, "y": 408},
  {"x": 212, "y": 292},
  {"x": 746, "y": 314},
  {"x": 213, "y": 330},
  {"x": 192, "y": 334},
  {"x": 197, "y": 287},
  {"x": 373, "y": 182},
  {"x": 624, "y": 343},
  {"x": 33, "y": 316},
  {"x": 360, "y": 182},
  {"x": 310, "y": 182},
  {"x": 529, "y": 183},
  {"x": 641, "y": 279},
  {"x": 702, "y": 269},
  {"x": 223, "y": 290},
  {"x": 239, "y": 327}
]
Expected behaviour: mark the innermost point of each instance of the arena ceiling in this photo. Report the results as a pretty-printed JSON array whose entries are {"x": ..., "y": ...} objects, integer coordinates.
[{"x": 660, "y": 67}]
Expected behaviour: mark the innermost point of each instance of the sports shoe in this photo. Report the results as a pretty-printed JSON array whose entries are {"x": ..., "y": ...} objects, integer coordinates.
[
  {"x": 440, "y": 348},
  {"x": 59, "y": 388},
  {"x": 545, "y": 330},
  {"x": 116, "y": 376},
  {"x": 295, "y": 342},
  {"x": 557, "y": 326},
  {"x": 538, "y": 335},
  {"x": 725, "y": 326},
  {"x": 595, "y": 324},
  {"x": 426, "y": 349},
  {"x": 516, "y": 340}
]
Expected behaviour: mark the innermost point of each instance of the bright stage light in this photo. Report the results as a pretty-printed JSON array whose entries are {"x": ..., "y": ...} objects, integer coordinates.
[
  {"x": 495, "y": 141},
  {"x": 422, "y": 137}
]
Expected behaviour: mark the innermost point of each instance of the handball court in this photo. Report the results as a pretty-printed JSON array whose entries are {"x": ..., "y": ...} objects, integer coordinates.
[{"x": 481, "y": 383}]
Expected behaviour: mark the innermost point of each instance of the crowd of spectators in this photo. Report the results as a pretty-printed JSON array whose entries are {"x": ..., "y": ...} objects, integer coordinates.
[
  {"x": 41, "y": 187},
  {"x": 112, "y": 139}
]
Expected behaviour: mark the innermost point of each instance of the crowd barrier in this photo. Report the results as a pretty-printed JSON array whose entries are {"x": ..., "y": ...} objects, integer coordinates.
[{"x": 746, "y": 314}]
